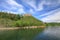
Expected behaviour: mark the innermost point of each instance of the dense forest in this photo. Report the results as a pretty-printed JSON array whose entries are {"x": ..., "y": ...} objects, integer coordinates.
[{"x": 17, "y": 20}]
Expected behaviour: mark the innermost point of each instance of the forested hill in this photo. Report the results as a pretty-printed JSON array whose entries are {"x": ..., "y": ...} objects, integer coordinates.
[
  {"x": 9, "y": 16},
  {"x": 17, "y": 20}
]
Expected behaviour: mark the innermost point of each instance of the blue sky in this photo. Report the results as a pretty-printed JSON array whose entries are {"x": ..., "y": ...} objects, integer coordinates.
[{"x": 45, "y": 10}]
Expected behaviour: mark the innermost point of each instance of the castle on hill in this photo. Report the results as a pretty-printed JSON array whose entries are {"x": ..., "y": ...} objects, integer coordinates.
[{"x": 27, "y": 14}]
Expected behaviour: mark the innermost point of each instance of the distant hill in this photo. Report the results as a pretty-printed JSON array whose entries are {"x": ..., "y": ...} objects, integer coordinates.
[{"x": 17, "y": 20}]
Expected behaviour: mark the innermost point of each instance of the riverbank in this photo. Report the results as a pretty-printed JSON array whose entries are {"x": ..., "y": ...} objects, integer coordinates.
[{"x": 14, "y": 28}]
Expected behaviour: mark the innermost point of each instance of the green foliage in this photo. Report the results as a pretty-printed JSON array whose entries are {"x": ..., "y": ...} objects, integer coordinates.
[
  {"x": 6, "y": 22},
  {"x": 17, "y": 20},
  {"x": 52, "y": 24},
  {"x": 9, "y": 16},
  {"x": 28, "y": 21}
]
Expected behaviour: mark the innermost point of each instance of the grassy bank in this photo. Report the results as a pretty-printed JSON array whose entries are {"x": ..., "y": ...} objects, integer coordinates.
[
  {"x": 21, "y": 34},
  {"x": 17, "y": 20}
]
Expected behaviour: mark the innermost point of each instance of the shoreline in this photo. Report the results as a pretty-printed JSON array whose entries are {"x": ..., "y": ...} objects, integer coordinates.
[{"x": 15, "y": 28}]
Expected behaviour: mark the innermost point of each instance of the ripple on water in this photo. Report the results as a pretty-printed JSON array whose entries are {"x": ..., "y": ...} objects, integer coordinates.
[{"x": 50, "y": 33}]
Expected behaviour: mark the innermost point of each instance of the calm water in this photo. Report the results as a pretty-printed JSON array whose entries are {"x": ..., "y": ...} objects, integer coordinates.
[
  {"x": 50, "y": 33},
  {"x": 19, "y": 34}
]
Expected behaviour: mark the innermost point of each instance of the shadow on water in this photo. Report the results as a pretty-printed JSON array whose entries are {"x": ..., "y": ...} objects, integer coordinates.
[
  {"x": 50, "y": 33},
  {"x": 19, "y": 34},
  {"x": 9, "y": 34}
]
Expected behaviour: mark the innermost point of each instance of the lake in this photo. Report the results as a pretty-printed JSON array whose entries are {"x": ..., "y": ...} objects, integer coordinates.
[
  {"x": 49, "y": 33},
  {"x": 20, "y": 34}
]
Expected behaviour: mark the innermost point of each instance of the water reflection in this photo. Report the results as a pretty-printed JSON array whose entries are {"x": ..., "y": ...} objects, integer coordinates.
[{"x": 50, "y": 33}]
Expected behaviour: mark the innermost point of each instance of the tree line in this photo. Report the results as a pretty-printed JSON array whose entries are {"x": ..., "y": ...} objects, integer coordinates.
[{"x": 10, "y": 16}]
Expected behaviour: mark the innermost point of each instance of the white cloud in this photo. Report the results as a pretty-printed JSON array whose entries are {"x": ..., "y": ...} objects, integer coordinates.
[
  {"x": 31, "y": 11},
  {"x": 12, "y": 5},
  {"x": 32, "y": 3},
  {"x": 20, "y": 11},
  {"x": 49, "y": 3},
  {"x": 55, "y": 17},
  {"x": 52, "y": 3},
  {"x": 49, "y": 13}
]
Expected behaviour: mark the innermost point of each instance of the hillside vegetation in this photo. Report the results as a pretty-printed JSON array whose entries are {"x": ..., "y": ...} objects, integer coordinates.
[
  {"x": 52, "y": 24},
  {"x": 17, "y": 20}
]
